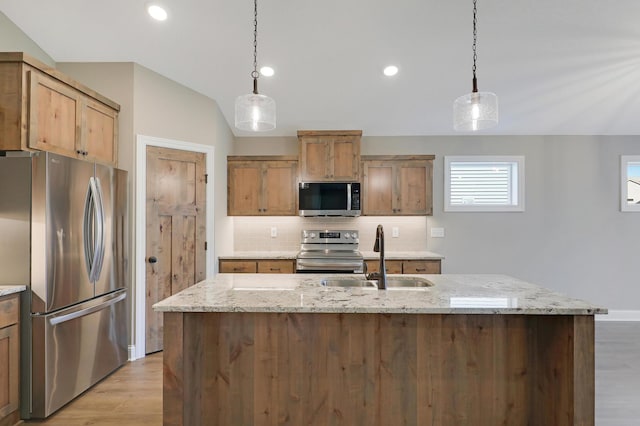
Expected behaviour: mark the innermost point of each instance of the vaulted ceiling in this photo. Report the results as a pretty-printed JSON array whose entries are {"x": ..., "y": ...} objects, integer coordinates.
[{"x": 557, "y": 66}]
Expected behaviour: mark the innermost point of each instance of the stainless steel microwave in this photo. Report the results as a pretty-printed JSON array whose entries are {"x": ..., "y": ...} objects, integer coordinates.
[{"x": 329, "y": 199}]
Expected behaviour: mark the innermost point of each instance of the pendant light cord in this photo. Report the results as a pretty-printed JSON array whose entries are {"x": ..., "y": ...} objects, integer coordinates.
[
  {"x": 475, "y": 41},
  {"x": 254, "y": 73}
]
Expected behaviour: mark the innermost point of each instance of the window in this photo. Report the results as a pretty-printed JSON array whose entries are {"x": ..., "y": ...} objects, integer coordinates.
[
  {"x": 484, "y": 184},
  {"x": 630, "y": 183}
]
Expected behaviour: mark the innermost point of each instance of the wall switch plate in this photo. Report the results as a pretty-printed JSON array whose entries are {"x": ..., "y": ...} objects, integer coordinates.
[
  {"x": 437, "y": 232},
  {"x": 395, "y": 232},
  {"x": 274, "y": 232}
]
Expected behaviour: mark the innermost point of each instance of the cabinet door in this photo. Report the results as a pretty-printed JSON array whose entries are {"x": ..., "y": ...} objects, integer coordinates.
[
  {"x": 279, "y": 193},
  {"x": 379, "y": 194},
  {"x": 244, "y": 180},
  {"x": 414, "y": 188},
  {"x": 421, "y": 267},
  {"x": 314, "y": 158},
  {"x": 54, "y": 116},
  {"x": 393, "y": 266},
  {"x": 344, "y": 159},
  {"x": 99, "y": 132},
  {"x": 238, "y": 266},
  {"x": 9, "y": 370},
  {"x": 279, "y": 266}
]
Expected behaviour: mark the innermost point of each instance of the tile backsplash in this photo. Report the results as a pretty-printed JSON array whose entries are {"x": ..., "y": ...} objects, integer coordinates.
[{"x": 254, "y": 233}]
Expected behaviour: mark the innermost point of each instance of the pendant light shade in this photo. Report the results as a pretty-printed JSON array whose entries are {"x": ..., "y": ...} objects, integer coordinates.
[
  {"x": 255, "y": 112},
  {"x": 476, "y": 110}
]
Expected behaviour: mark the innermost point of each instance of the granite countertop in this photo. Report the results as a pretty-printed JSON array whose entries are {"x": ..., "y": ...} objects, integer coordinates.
[
  {"x": 242, "y": 255},
  {"x": 367, "y": 255},
  {"x": 6, "y": 290},
  {"x": 401, "y": 255},
  {"x": 451, "y": 294}
]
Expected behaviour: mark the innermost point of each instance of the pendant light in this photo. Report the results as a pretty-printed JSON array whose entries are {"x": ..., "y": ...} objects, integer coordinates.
[
  {"x": 255, "y": 112},
  {"x": 477, "y": 110}
]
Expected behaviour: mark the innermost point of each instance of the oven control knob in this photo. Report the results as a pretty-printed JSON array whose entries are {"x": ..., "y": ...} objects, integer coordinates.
[
  {"x": 354, "y": 235},
  {"x": 312, "y": 235},
  {"x": 347, "y": 235}
]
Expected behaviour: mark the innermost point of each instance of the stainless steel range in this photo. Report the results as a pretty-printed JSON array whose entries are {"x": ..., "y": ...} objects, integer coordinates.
[{"x": 329, "y": 251}]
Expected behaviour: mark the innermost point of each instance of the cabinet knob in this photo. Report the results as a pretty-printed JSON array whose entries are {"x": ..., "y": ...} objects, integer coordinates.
[{"x": 153, "y": 259}]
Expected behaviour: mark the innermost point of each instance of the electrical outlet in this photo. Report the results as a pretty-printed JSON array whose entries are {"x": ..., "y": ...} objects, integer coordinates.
[
  {"x": 437, "y": 232},
  {"x": 274, "y": 232},
  {"x": 395, "y": 232}
]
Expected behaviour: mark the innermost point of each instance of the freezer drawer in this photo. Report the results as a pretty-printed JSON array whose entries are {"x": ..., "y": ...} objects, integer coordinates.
[{"x": 74, "y": 348}]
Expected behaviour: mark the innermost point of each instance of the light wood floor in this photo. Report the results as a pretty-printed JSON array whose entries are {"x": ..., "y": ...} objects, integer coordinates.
[
  {"x": 133, "y": 394},
  {"x": 130, "y": 396}
]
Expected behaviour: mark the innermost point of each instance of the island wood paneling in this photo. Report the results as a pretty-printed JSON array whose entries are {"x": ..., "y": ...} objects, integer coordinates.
[{"x": 377, "y": 369}]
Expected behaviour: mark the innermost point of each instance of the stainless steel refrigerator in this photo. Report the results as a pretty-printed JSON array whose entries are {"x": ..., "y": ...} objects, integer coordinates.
[{"x": 63, "y": 232}]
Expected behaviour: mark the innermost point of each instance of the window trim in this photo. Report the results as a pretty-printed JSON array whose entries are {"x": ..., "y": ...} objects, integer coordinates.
[
  {"x": 518, "y": 207},
  {"x": 625, "y": 160}
]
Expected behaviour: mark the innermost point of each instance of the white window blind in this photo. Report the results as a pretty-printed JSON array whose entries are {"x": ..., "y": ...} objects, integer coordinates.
[{"x": 484, "y": 183}]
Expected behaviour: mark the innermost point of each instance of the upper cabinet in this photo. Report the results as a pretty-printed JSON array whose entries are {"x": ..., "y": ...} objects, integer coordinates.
[
  {"x": 397, "y": 185},
  {"x": 262, "y": 186},
  {"x": 47, "y": 111},
  {"x": 329, "y": 156}
]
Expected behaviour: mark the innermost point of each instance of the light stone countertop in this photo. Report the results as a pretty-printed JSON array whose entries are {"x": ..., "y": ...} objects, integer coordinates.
[
  {"x": 242, "y": 255},
  {"x": 6, "y": 290},
  {"x": 402, "y": 255},
  {"x": 302, "y": 293},
  {"x": 368, "y": 255}
]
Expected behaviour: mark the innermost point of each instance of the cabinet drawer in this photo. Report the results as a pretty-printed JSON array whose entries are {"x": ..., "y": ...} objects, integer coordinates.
[
  {"x": 393, "y": 266},
  {"x": 238, "y": 266},
  {"x": 421, "y": 267},
  {"x": 275, "y": 267},
  {"x": 9, "y": 310}
]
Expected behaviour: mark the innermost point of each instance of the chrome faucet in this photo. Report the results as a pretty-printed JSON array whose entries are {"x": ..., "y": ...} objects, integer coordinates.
[{"x": 378, "y": 247}]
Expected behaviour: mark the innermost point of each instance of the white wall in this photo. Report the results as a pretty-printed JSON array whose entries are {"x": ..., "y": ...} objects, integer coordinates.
[{"x": 572, "y": 236}]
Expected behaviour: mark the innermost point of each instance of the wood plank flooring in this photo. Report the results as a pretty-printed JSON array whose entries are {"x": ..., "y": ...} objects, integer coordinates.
[
  {"x": 617, "y": 373},
  {"x": 133, "y": 394},
  {"x": 130, "y": 396}
]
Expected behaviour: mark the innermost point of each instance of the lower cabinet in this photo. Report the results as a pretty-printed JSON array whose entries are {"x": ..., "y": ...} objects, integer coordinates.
[
  {"x": 397, "y": 266},
  {"x": 260, "y": 266},
  {"x": 9, "y": 359}
]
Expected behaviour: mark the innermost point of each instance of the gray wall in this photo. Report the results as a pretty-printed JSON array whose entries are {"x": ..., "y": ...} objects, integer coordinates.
[
  {"x": 12, "y": 39},
  {"x": 571, "y": 237}
]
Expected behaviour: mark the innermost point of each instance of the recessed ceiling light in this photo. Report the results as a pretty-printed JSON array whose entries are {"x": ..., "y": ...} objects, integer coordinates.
[
  {"x": 267, "y": 71},
  {"x": 390, "y": 70},
  {"x": 157, "y": 12}
]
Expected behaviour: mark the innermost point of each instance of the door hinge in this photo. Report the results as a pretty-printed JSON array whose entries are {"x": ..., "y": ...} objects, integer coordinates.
[
  {"x": 206, "y": 178},
  {"x": 205, "y": 245}
]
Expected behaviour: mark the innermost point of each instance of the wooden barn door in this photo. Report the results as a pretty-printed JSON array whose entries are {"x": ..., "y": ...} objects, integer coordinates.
[{"x": 176, "y": 229}]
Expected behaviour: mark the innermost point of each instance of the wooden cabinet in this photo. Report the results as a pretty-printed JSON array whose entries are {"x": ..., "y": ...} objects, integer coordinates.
[
  {"x": 47, "y": 111},
  {"x": 327, "y": 156},
  {"x": 262, "y": 186},
  {"x": 406, "y": 266},
  {"x": 9, "y": 359},
  {"x": 260, "y": 266},
  {"x": 397, "y": 185}
]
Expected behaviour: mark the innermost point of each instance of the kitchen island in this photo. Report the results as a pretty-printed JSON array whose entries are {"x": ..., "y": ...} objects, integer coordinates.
[{"x": 282, "y": 349}]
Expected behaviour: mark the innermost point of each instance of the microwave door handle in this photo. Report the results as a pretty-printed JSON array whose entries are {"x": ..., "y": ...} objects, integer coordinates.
[{"x": 348, "y": 196}]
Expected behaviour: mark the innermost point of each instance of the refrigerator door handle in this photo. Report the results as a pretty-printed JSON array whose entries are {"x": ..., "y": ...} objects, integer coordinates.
[
  {"x": 84, "y": 312},
  {"x": 93, "y": 227},
  {"x": 100, "y": 240}
]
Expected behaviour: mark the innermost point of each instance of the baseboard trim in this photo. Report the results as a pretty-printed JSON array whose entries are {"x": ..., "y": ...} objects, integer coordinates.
[
  {"x": 619, "y": 315},
  {"x": 132, "y": 352}
]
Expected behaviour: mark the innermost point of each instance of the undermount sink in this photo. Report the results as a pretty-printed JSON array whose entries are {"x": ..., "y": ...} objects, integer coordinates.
[
  {"x": 407, "y": 282},
  {"x": 393, "y": 283},
  {"x": 349, "y": 282}
]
